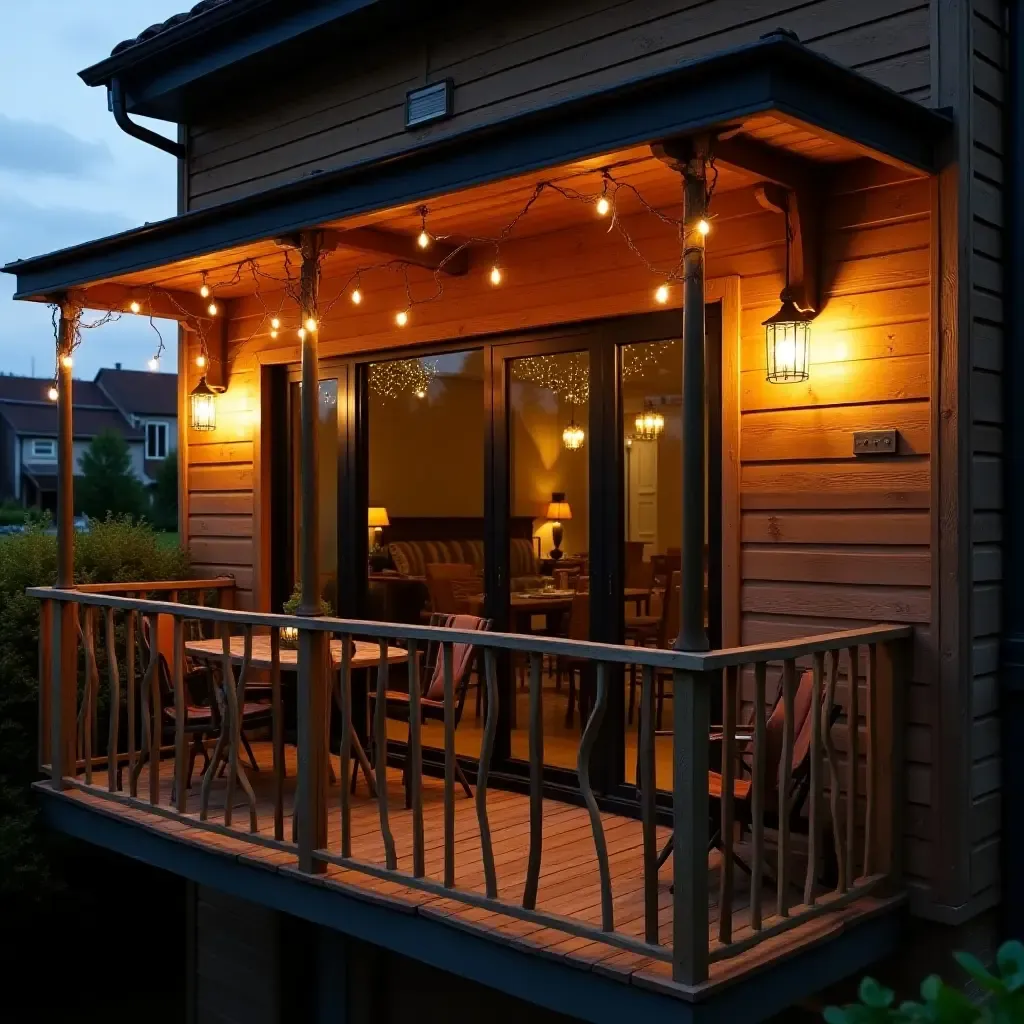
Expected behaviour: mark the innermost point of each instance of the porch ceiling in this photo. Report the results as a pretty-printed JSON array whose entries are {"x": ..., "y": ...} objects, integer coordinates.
[{"x": 474, "y": 184}]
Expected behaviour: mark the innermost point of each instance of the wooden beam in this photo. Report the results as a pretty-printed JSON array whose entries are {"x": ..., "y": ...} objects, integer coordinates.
[
  {"x": 163, "y": 303},
  {"x": 438, "y": 256},
  {"x": 788, "y": 184}
]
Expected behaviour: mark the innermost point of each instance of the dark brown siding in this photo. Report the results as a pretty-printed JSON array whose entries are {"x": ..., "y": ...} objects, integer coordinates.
[
  {"x": 530, "y": 55},
  {"x": 988, "y": 65}
]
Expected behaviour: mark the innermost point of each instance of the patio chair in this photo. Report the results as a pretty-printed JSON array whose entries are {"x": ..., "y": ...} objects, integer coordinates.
[
  {"x": 658, "y": 631},
  {"x": 800, "y": 778},
  {"x": 464, "y": 659}
]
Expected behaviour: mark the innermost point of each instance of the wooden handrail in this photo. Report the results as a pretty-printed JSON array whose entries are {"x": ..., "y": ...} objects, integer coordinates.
[{"x": 156, "y": 586}]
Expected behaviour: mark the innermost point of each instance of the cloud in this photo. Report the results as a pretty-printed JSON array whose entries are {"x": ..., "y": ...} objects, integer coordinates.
[{"x": 34, "y": 147}]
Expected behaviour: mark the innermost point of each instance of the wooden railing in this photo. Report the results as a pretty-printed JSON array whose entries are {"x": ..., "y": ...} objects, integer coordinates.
[{"x": 843, "y": 792}]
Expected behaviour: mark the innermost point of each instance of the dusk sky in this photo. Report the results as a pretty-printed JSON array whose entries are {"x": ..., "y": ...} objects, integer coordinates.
[{"x": 68, "y": 173}]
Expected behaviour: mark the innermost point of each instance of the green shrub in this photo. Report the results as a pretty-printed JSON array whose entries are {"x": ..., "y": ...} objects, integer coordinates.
[
  {"x": 1002, "y": 1001},
  {"x": 112, "y": 551}
]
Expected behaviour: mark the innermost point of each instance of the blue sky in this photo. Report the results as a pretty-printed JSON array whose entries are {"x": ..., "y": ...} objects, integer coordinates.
[{"x": 67, "y": 172}]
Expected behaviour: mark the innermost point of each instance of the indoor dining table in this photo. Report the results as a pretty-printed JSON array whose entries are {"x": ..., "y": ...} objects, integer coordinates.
[{"x": 366, "y": 655}]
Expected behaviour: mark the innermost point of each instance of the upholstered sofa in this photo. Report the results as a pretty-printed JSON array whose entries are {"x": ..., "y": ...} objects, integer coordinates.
[{"x": 411, "y": 557}]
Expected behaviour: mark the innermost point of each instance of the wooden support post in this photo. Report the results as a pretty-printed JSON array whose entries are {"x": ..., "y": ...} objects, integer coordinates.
[
  {"x": 63, "y": 701},
  {"x": 689, "y": 156},
  {"x": 887, "y": 703},
  {"x": 691, "y": 720},
  {"x": 313, "y": 646}
]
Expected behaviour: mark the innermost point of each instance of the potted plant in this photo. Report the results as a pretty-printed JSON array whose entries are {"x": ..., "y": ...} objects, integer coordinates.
[{"x": 290, "y": 634}]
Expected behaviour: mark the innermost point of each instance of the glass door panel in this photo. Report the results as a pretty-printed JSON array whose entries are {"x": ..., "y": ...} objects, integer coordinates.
[{"x": 548, "y": 430}]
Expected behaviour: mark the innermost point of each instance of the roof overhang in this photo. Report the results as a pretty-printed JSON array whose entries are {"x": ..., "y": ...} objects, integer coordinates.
[{"x": 775, "y": 75}]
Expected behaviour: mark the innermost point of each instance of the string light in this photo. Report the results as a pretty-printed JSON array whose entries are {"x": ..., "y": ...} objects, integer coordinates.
[
  {"x": 212, "y": 309},
  {"x": 423, "y": 239},
  {"x": 495, "y": 274},
  {"x": 302, "y": 333},
  {"x": 603, "y": 206},
  {"x": 65, "y": 361},
  {"x": 200, "y": 360},
  {"x": 402, "y": 317},
  {"x": 275, "y": 323},
  {"x": 703, "y": 227},
  {"x": 135, "y": 307},
  {"x": 400, "y": 376},
  {"x": 204, "y": 291},
  {"x": 52, "y": 394},
  {"x": 311, "y": 324},
  {"x": 154, "y": 364},
  {"x": 661, "y": 294},
  {"x": 356, "y": 296}
]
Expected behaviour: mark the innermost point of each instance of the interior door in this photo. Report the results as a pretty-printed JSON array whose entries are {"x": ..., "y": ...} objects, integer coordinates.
[{"x": 642, "y": 493}]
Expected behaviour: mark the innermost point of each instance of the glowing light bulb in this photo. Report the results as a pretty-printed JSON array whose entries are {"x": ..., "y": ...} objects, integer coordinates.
[
  {"x": 495, "y": 275},
  {"x": 135, "y": 307},
  {"x": 357, "y": 296},
  {"x": 273, "y": 334},
  {"x": 212, "y": 309},
  {"x": 65, "y": 361},
  {"x": 302, "y": 333},
  {"x": 52, "y": 394},
  {"x": 200, "y": 360},
  {"x": 661, "y": 295},
  {"x": 402, "y": 318},
  {"x": 311, "y": 324},
  {"x": 420, "y": 393},
  {"x": 703, "y": 227},
  {"x": 423, "y": 241},
  {"x": 154, "y": 364},
  {"x": 205, "y": 291},
  {"x": 275, "y": 323},
  {"x": 603, "y": 206}
]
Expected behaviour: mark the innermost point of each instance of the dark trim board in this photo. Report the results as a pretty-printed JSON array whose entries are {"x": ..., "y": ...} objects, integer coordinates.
[
  {"x": 763, "y": 77},
  {"x": 549, "y": 982}
]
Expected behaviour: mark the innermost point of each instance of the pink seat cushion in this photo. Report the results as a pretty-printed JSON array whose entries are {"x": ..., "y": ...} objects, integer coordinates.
[{"x": 462, "y": 655}]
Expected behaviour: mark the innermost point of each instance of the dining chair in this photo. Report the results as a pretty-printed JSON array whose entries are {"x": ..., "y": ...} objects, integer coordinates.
[
  {"x": 657, "y": 631},
  {"x": 441, "y": 577},
  {"x": 571, "y": 666},
  {"x": 465, "y": 661}
]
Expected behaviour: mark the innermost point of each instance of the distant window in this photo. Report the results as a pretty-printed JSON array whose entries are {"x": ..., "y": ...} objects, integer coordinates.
[
  {"x": 156, "y": 440},
  {"x": 44, "y": 450}
]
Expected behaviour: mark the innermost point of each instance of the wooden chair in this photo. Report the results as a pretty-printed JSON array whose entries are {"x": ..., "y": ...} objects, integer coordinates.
[
  {"x": 800, "y": 765},
  {"x": 441, "y": 577},
  {"x": 464, "y": 659},
  {"x": 661, "y": 634},
  {"x": 570, "y": 665}
]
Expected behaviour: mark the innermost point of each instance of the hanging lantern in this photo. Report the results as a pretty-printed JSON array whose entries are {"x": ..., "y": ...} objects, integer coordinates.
[
  {"x": 203, "y": 406},
  {"x": 649, "y": 423},
  {"x": 787, "y": 337},
  {"x": 573, "y": 436},
  {"x": 787, "y": 334}
]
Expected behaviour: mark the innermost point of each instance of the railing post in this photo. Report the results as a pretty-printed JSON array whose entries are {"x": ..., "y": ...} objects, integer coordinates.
[
  {"x": 888, "y": 701},
  {"x": 63, "y": 694},
  {"x": 691, "y": 722},
  {"x": 311, "y": 793},
  {"x": 45, "y": 682}
]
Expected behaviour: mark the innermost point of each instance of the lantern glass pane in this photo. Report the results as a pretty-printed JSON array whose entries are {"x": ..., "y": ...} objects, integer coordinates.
[
  {"x": 203, "y": 412},
  {"x": 787, "y": 348}
]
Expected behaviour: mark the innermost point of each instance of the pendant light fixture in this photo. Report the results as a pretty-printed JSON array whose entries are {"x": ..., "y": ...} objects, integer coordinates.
[
  {"x": 573, "y": 435},
  {"x": 203, "y": 406},
  {"x": 787, "y": 334},
  {"x": 649, "y": 423}
]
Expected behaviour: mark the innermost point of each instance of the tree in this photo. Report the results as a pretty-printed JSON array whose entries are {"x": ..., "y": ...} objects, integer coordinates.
[
  {"x": 107, "y": 483},
  {"x": 164, "y": 508}
]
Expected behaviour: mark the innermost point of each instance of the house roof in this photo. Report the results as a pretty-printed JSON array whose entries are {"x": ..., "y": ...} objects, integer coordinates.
[
  {"x": 140, "y": 392},
  {"x": 173, "y": 22},
  {"x": 33, "y": 389},
  {"x": 40, "y": 420}
]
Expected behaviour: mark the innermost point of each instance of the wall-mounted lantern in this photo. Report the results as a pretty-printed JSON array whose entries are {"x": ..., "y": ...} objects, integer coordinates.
[{"x": 203, "y": 406}]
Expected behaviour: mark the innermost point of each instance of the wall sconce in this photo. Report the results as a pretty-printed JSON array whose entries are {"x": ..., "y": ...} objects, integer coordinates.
[
  {"x": 573, "y": 436},
  {"x": 787, "y": 334},
  {"x": 203, "y": 406}
]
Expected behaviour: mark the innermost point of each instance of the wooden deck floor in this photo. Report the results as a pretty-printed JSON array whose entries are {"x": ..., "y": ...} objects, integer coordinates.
[{"x": 569, "y": 883}]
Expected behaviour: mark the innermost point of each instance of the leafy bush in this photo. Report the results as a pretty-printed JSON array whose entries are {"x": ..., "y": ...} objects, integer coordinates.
[
  {"x": 1002, "y": 1002},
  {"x": 112, "y": 551},
  {"x": 164, "y": 497}
]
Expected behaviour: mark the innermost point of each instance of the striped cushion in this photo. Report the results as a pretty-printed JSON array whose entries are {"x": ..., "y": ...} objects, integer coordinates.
[
  {"x": 523, "y": 558},
  {"x": 411, "y": 557}
]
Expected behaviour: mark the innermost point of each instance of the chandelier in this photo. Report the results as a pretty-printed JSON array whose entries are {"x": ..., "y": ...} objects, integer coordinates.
[
  {"x": 572, "y": 436},
  {"x": 649, "y": 423}
]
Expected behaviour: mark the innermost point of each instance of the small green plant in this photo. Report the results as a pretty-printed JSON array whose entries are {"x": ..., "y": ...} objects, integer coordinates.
[
  {"x": 1002, "y": 1001},
  {"x": 107, "y": 484},
  {"x": 291, "y": 606}
]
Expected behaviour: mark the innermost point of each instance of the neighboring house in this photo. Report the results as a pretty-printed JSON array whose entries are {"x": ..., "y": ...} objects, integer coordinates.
[
  {"x": 503, "y": 285},
  {"x": 149, "y": 401},
  {"x": 28, "y": 428}
]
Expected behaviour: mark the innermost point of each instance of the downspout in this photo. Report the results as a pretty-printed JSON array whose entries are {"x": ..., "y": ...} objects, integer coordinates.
[
  {"x": 116, "y": 102},
  {"x": 1012, "y": 674}
]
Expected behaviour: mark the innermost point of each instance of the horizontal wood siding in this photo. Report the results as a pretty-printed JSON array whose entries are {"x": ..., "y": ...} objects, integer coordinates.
[
  {"x": 520, "y": 57},
  {"x": 830, "y": 540},
  {"x": 988, "y": 71}
]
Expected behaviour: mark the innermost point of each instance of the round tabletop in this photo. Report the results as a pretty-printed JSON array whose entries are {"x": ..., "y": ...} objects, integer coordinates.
[{"x": 366, "y": 655}]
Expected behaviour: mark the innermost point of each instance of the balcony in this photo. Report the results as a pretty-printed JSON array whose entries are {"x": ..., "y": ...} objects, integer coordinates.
[{"x": 779, "y": 829}]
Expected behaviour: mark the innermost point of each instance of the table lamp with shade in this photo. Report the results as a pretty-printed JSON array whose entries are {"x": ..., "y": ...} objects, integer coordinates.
[
  {"x": 376, "y": 520},
  {"x": 558, "y": 511}
]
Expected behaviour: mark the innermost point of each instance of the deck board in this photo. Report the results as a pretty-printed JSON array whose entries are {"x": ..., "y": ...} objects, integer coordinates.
[{"x": 568, "y": 884}]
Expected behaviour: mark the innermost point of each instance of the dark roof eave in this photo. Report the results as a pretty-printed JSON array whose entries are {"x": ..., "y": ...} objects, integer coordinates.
[{"x": 769, "y": 75}]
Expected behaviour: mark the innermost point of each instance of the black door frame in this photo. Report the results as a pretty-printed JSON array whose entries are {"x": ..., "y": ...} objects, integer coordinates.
[{"x": 603, "y": 339}]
